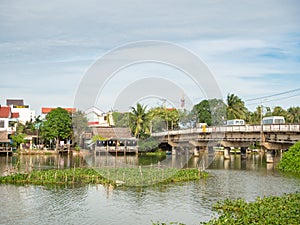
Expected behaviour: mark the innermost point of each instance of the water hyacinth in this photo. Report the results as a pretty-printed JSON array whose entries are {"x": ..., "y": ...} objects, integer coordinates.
[{"x": 137, "y": 176}]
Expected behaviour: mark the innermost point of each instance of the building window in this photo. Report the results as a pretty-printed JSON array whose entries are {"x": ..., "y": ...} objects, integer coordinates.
[
  {"x": 105, "y": 118},
  {"x": 11, "y": 123},
  {"x": 1, "y": 123}
]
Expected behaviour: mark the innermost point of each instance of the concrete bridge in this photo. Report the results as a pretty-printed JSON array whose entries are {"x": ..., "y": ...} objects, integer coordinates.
[{"x": 270, "y": 137}]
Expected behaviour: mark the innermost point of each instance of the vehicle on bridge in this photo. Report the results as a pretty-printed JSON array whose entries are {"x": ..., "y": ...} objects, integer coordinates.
[
  {"x": 273, "y": 120},
  {"x": 235, "y": 122}
]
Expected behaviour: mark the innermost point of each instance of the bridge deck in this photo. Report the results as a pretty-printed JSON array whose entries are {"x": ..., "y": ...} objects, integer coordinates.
[{"x": 273, "y": 136}]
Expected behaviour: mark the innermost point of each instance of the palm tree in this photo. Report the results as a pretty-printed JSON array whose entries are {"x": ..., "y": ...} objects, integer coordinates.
[
  {"x": 293, "y": 115},
  {"x": 235, "y": 107},
  {"x": 279, "y": 111},
  {"x": 139, "y": 121}
]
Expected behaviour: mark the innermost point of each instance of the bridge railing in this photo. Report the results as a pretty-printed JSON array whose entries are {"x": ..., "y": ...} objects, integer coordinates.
[{"x": 246, "y": 128}]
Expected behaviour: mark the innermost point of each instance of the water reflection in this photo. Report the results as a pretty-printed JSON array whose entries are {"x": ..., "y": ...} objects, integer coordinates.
[
  {"x": 188, "y": 202},
  {"x": 27, "y": 163}
]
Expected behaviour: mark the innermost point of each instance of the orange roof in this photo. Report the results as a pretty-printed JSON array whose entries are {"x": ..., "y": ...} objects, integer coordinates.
[
  {"x": 47, "y": 110},
  {"x": 170, "y": 109},
  {"x": 4, "y": 111},
  {"x": 15, "y": 115}
]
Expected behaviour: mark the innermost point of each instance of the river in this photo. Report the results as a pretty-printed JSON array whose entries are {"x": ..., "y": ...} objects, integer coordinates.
[{"x": 189, "y": 202}]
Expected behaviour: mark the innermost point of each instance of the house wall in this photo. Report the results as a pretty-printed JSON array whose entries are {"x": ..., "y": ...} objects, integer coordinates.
[
  {"x": 3, "y": 124},
  {"x": 25, "y": 114}
]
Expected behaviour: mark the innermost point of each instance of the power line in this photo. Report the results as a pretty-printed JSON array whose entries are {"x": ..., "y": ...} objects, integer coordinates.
[
  {"x": 269, "y": 96},
  {"x": 277, "y": 99},
  {"x": 283, "y": 98}
]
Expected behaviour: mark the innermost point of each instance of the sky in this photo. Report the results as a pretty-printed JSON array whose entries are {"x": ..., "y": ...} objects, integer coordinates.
[{"x": 252, "y": 49}]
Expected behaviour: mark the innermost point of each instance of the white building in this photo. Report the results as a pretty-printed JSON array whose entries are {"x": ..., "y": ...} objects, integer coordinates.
[
  {"x": 98, "y": 118},
  {"x": 8, "y": 119},
  {"x": 25, "y": 113}
]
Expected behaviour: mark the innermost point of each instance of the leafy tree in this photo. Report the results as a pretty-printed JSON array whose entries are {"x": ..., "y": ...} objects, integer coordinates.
[
  {"x": 140, "y": 121},
  {"x": 187, "y": 119},
  {"x": 291, "y": 159},
  {"x": 218, "y": 111},
  {"x": 58, "y": 126},
  {"x": 293, "y": 115},
  {"x": 121, "y": 119},
  {"x": 211, "y": 112},
  {"x": 235, "y": 107},
  {"x": 18, "y": 139},
  {"x": 279, "y": 111},
  {"x": 163, "y": 118},
  {"x": 203, "y": 112},
  {"x": 80, "y": 125},
  {"x": 255, "y": 117}
]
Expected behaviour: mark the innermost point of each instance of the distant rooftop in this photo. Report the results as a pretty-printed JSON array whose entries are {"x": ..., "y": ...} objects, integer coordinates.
[
  {"x": 112, "y": 132},
  {"x": 4, "y": 111},
  {"x": 46, "y": 110},
  {"x": 15, "y": 102}
]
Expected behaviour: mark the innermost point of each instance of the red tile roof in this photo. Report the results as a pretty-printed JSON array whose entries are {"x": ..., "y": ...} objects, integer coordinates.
[
  {"x": 4, "y": 111},
  {"x": 47, "y": 110},
  {"x": 15, "y": 115}
]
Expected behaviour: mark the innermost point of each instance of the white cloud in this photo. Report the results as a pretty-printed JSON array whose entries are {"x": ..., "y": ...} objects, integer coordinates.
[{"x": 51, "y": 44}]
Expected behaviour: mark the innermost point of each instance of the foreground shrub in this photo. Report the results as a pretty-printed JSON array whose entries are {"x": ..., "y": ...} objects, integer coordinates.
[
  {"x": 290, "y": 161},
  {"x": 268, "y": 210}
]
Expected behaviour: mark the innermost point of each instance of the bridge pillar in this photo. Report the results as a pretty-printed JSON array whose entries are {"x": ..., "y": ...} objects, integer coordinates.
[
  {"x": 196, "y": 152},
  {"x": 269, "y": 156},
  {"x": 227, "y": 153},
  {"x": 173, "y": 151},
  {"x": 243, "y": 152}
]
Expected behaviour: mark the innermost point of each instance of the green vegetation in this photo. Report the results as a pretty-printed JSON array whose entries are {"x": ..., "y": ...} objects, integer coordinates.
[
  {"x": 235, "y": 108},
  {"x": 163, "y": 118},
  {"x": 114, "y": 176},
  {"x": 267, "y": 210},
  {"x": 79, "y": 125},
  {"x": 98, "y": 137},
  {"x": 18, "y": 139},
  {"x": 211, "y": 112},
  {"x": 290, "y": 161},
  {"x": 140, "y": 121},
  {"x": 121, "y": 119},
  {"x": 148, "y": 144},
  {"x": 58, "y": 125}
]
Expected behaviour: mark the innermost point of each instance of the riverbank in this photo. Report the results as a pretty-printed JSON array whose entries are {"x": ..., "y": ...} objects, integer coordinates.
[{"x": 109, "y": 176}]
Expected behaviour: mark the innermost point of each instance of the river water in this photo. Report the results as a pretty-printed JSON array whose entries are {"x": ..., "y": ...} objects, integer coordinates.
[{"x": 189, "y": 202}]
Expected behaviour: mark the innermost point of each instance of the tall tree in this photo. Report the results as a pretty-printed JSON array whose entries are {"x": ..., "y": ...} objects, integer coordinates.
[
  {"x": 58, "y": 126},
  {"x": 279, "y": 111},
  {"x": 211, "y": 112},
  {"x": 255, "y": 117},
  {"x": 164, "y": 118},
  {"x": 79, "y": 125},
  {"x": 293, "y": 115},
  {"x": 235, "y": 107},
  {"x": 121, "y": 119},
  {"x": 140, "y": 121}
]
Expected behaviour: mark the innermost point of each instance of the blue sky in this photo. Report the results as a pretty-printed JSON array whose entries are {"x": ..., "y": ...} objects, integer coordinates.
[{"x": 251, "y": 47}]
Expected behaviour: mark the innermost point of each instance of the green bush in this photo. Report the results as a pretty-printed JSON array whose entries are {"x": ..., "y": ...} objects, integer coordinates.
[
  {"x": 268, "y": 210},
  {"x": 290, "y": 161}
]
